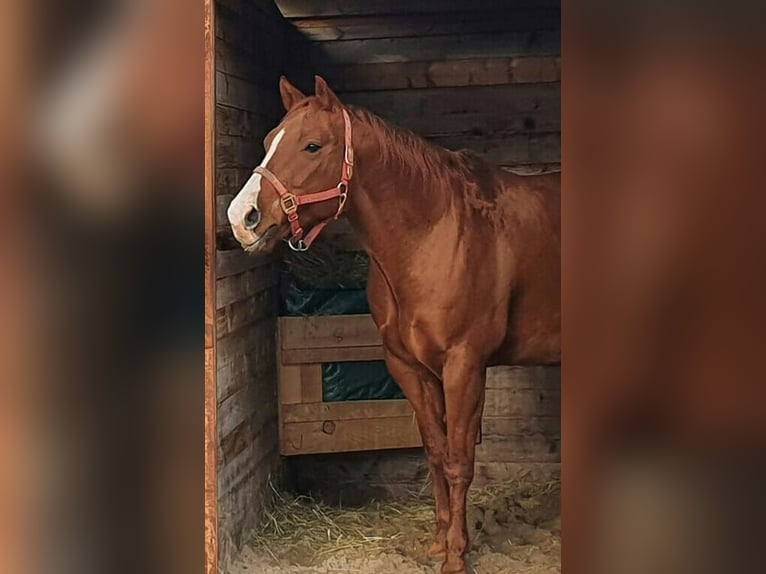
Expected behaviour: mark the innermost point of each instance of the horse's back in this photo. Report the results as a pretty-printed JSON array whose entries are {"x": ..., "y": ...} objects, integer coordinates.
[{"x": 534, "y": 315}]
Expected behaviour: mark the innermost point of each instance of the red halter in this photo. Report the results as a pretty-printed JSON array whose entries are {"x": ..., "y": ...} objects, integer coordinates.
[{"x": 290, "y": 201}]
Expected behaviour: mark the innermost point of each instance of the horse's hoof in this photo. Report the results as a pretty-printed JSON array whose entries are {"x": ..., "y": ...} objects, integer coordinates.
[
  {"x": 454, "y": 565},
  {"x": 437, "y": 551}
]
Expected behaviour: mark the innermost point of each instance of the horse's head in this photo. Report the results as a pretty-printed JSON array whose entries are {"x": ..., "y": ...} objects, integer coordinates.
[{"x": 305, "y": 154}]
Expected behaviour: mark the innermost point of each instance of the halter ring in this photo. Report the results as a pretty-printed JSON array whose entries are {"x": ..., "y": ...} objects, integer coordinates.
[{"x": 299, "y": 247}]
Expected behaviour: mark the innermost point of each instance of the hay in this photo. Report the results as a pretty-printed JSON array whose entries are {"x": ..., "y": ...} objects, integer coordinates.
[
  {"x": 326, "y": 266},
  {"x": 301, "y": 529}
]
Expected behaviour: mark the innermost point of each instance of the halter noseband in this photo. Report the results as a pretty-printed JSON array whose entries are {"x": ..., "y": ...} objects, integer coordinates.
[{"x": 290, "y": 202}]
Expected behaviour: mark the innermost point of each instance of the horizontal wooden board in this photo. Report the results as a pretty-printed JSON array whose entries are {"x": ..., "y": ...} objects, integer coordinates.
[
  {"x": 317, "y": 8},
  {"x": 503, "y": 403},
  {"x": 257, "y": 366},
  {"x": 238, "y": 152},
  {"x": 455, "y": 47},
  {"x": 332, "y": 355},
  {"x": 527, "y": 439},
  {"x": 400, "y": 106},
  {"x": 242, "y": 123},
  {"x": 328, "y": 332},
  {"x": 235, "y": 262},
  {"x": 350, "y": 435},
  {"x": 422, "y": 25},
  {"x": 246, "y": 95},
  {"x": 511, "y": 150},
  {"x": 443, "y": 73},
  {"x": 239, "y": 314},
  {"x": 547, "y": 378},
  {"x": 347, "y": 410},
  {"x": 239, "y": 287},
  {"x": 253, "y": 337}
]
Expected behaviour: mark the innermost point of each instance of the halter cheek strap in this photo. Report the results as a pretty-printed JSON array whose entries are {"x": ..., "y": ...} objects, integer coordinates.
[{"x": 300, "y": 241}]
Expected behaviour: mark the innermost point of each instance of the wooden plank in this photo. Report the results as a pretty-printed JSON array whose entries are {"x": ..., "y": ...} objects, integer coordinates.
[
  {"x": 520, "y": 439},
  {"x": 242, "y": 123},
  {"x": 311, "y": 383},
  {"x": 289, "y": 384},
  {"x": 350, "y": 435},
  {"x": 210, "y": 494},
  {"x": 422, "y": 25},
  {"x": 455, "y": 47},
  {"x": 546, "y": 378},
  {"x": 246, "y": 95},
  {"x": 257, "y": 366},
  {"x": 489, "y": 124},
  {"x": 332, "y": 355},
  {"x": 443, "y": 73},
  {"x": 401, "y": 106},
  {"x": 229, "y": 263},
  {"x": 324, "y": 8},
  {"x": 503, "y": 403},
  {"x": 328, "y": 331},
  {"x": 242, "y": 286},
  {"x": 242, "y": 313},
  {"x": 244, "y": 341},
  {"x": 347, "y": 410},
  {"x": 238, "y": 152},
  {"x": 511, "y": 150}
]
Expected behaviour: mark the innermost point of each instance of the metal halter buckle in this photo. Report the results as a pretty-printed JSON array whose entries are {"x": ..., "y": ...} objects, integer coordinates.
[
  {"x": 289, "y": 204},
  {"x": 300, "y": 246}
]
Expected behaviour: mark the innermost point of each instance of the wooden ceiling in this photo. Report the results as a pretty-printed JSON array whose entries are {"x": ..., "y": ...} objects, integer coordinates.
[{"x": 376, "y": 31}]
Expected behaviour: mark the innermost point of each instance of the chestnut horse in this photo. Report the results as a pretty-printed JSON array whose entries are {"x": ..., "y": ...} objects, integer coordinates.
[{"x": 464, "y": 274}]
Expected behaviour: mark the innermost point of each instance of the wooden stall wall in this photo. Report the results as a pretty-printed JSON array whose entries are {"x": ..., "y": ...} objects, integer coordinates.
[
  {"x": 481, "y": 75},
  {"x": 466, "y": 74},
  {"x": 253, "y": 46}
]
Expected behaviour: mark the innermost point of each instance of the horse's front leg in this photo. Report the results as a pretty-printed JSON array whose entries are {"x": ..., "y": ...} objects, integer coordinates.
[
  {"x": 424, "y": 392},
  {"x": 464, "y": 378}
]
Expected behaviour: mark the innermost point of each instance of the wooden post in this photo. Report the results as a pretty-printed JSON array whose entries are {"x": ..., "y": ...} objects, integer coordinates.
[{"x": 211, "y": 491}]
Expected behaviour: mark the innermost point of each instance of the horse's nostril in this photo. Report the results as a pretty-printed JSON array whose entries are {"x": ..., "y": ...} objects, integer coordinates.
[{"x": 252, "y": 218}]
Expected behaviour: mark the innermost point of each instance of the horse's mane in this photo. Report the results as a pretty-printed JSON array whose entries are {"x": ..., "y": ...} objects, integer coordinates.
[{"x": 413, "y": 156}]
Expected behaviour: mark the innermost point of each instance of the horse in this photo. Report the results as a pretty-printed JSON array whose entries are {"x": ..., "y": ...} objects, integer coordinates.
[{"x": 464, "y": 265}]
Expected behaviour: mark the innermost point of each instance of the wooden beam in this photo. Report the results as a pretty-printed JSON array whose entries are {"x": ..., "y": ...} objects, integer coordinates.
[
  {"x": 455, "y": 47},
  {"x": 443, "y": 73},
  {"x": 328, "y": 332},
  {"x": 350, "y": 435},
  {"x": 324, "y": 8},
  {"x": 347, "y": 410},
  {"x": 210, "y": 409},
  {"x": 423, "y": 25},
  {"x": 398, "y": 106},
  {"x": 332, "y": 355}
]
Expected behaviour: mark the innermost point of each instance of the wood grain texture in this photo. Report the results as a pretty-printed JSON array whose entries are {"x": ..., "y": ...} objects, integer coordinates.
[
  {"x": 210, "y": 411},
  {"x": 424, "y": 25},
  {"x": 350, "y": 435},
  {"x": 453, "y": 47},
  {"x": 443, "y": 74},
  {"x": 319, "y": 411},
  {"x": 328, "y": 332},
  {"x": 317, "y": 8}
]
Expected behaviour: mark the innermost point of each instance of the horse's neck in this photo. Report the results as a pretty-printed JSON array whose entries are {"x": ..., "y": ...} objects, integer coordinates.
[{"x": 391, "y": 204}]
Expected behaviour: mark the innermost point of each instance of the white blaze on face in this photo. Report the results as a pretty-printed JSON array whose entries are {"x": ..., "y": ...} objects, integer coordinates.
[{"x": 247, "y": 198}]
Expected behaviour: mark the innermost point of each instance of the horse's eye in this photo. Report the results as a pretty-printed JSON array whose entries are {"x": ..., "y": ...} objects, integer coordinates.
[{"x": 312, "y": 148}]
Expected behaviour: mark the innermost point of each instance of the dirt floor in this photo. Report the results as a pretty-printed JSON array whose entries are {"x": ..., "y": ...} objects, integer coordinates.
[{"x": 514, "y": 527}]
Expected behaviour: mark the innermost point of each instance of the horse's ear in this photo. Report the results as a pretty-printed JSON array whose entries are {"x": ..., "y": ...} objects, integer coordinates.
[
  {"x": 290, "y": 94},
  {"x": 325, "y": 96}
]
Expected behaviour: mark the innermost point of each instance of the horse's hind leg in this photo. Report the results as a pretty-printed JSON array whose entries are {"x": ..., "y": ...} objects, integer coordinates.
[
  {"x": 464, "y": 377},
  {"x": 424, "y": 392}
]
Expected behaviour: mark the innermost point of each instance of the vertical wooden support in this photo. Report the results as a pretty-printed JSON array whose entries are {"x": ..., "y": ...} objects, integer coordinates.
[{"x": 211, "y": 490}]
